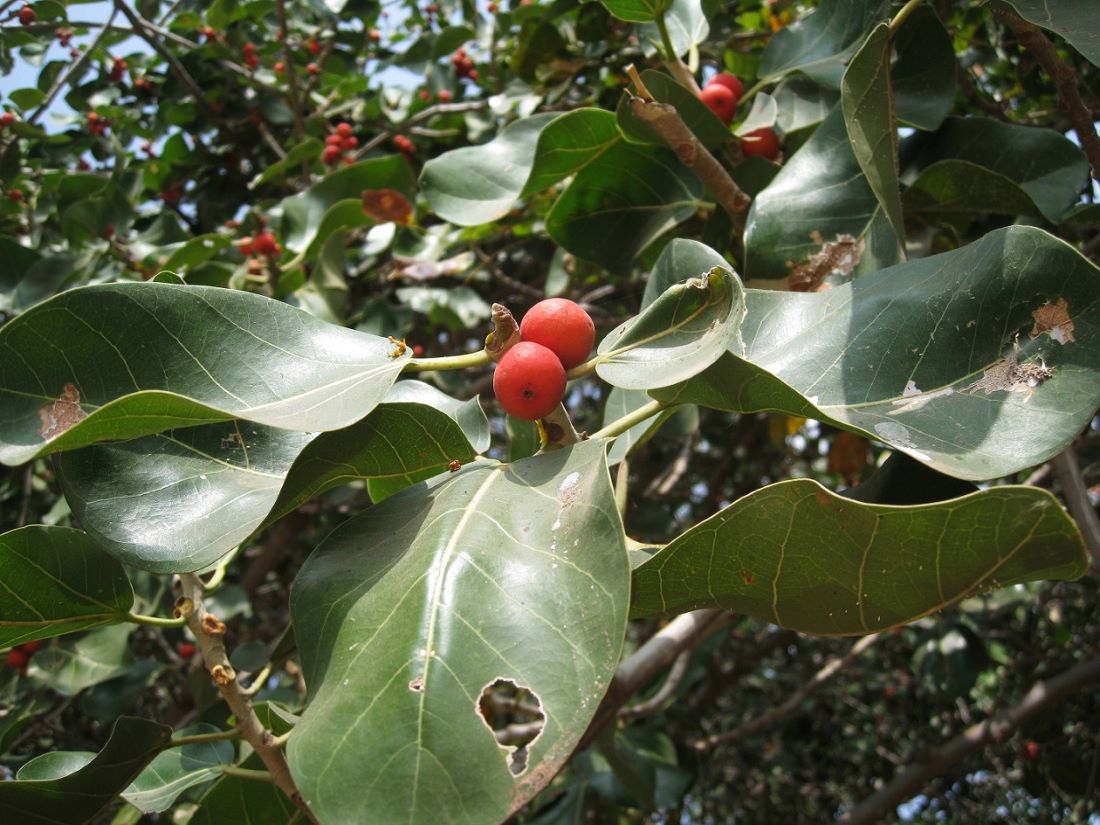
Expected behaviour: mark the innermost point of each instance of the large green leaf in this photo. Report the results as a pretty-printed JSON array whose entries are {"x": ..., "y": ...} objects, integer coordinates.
[
  {"x": 175, "y": 770},
  {"x": 818, "y": 205},
  {"x": 867, "y": 101},
  {"x": 978, "y": 362},
  {"x": 55, "y": 580},
  {"x": 139, "y": 358},
  {"x": 680, "y": 334},
  {"x": 975, "y": 164},
  {"x": 923, "y": 77},
  {"x": 687, "y": 26},
  {"x": 802, "y": 557},
  {"x": 408, "y": 612},
  {"x": 636, "y": 11},
  {"x": 73, "y": 664},
  {"x": 478, "y": 184},
  {"x": 819, "y": 44},
  {"x": 179, "y": 501},
  {"x": 79, "y": 796},
  {"x": 1075, "y": 20},
  {"x": 568, "y": 144},
  {"x": 621, "y": 202}
]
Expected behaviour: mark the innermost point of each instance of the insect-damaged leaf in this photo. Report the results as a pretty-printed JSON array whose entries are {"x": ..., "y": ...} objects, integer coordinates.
[{"x": 407, "y": 613}]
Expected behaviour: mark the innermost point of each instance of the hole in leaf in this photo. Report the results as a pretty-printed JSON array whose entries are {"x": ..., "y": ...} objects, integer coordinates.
[{"x": 514, "y": 714}]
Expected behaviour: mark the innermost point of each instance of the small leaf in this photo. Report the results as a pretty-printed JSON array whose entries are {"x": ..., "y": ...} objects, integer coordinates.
[
  {"x": 81, "y": 795},
  {"x": 680, "y": 334},
  {"x": 802, "y": 557},
  {"x": 867, "y": 101},
  {"x": 308, "y": 150},
  {"x": 406, "y": 614},
  {"x": 176, "y": 769},
  {"x": 56, "y": 580}
]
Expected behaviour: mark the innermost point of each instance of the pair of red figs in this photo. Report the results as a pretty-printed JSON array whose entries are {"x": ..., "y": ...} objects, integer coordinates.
[{"x": 557, "y": 335}]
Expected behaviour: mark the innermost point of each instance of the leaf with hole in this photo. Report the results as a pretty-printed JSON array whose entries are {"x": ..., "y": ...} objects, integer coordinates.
[{"x": 408, "y": 613}]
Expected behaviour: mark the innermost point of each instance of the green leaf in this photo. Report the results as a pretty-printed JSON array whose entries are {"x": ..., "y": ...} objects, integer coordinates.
[
  {"x": 819, "y": 199},
  {"x": 711, "y": 132},
  {"x": 680, "y": 334},
  {"x": 687, "y": 26},
  {"x": 144, "y": 357},
  {"x": 763, "y": 115},
  {"x": 949, "y": 358},
  {"x": 179, "y": 501},
  {"x": 478, "y": 184},
  {"x": 636, "y": 11},
  {"x": 54, "y": 765},
  {"x": 682, "y": 258},
  {"x": 80, "y": 796},
  {"x": 621, "y": 402},
  {"x": 175, "y": 770},
  {"x": 1075, "y": 20},
  {"x": 27, "y": 98},
  {"x": 56, "y": 580},
  {"x": 867, "y": 101},
  {"x": 961, "y": 174},
  {"x": 408, "y": 612},
  {"x": 621, "y": 202},
  {"x": 802, "y": 557},
  {"x": 802, "y": 103},
  {"x": 72, "y": 665},
  {"x": 568, "y": 144},
  {"x": 308, "y": 150},
  {"x": 304, "y": 213},
  {"x": 819, "y": 44},
  {"x": 923, "y": 76}
]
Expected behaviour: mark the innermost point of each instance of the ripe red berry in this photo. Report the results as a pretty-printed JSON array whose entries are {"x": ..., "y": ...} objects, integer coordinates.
[
  {"x": 444, "y": 96},
  {"x": 185, "y": 649},
  {"x": 331, "y": 154},
  {"x": 374, "y": 35},
  {"x": 761, "y": 143},
  {"x": 313, "y": 46},
  {"x": 561, "y": 326},
  {"x": 27, "y": 15},
  {"x": 245, "y": 245},
  {"x": 1030, "y": 751},
  {"x": 15, "y": 195},
  {"x": 17, "y": 659},
  {"x": 404, "y": 145},
  {"x": 249, "y": 48},
  {"x": 730, "y": 82},
  {"x": 210, "y": 33},
  {"x": 265, "y": 244},
  {"x": 719, "y": 100},
  {"x": 7, "y": 119},
  {"x": 344, "y": 129},
  {"x": 529, "y": 381},
  {"x": 424, "y": 95},
  {"x": 349, "y": 143},
  {"x": 313, "y": 68},
  {"x": 30, "y": 648},
  {"x": 279, "y": 67}
]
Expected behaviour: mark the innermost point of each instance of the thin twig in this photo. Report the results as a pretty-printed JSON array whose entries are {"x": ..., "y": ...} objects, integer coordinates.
[
  {"x": 997, "y": 728},
  {"x": 789, "y": 707},
  {"x": 419, "y": 117},
  {"x": 144, "y": 29},
  {"x": 74, "y": 72},
  {"x": 1068, "y": 474},
  {"x": 208, "y": 631},
  {"x": 656, "y": 702},
  {"x": 685, "y": 632},
  {"x": 1065, "y": 82},
  {"x": 291, "y": 74}
]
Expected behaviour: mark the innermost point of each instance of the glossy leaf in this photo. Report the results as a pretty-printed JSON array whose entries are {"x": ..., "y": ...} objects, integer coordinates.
[
  {"x": 818, "y": 44},
  {"x": 636, "y": 11},
  {"x": 687, "y": 26},
  {"x": 145, "y": 357},
  {"x": 683, "y": 258},
  {"x": 407, "y": 612},
  {"x": 308, "y": 150},
  {"x": 801, "y": 103},
  {"x": 56, "y": 580},
  {"x": 1075, "y": 20},
  {"x": 868, "y": 105},
  {"x": 478, "y": 184},
  {"x": 569, "y": 143},
  {"x": 54, "y": 765},
  {"x": 802, "y": 557},
  {"x": 176, "y": 769},
  {"x": 923, "y": 76},
  {"x": 820, "y": 197},
  {"x": 621, "y": 402},
  {"x": 961, "y": 174},
  {"x": 763, "y": 115},
  {"x": 80, "y": 796},
  {"x": 73, "y": 664},
  {"x": 179, "y": 501},
  {"x": 680, "y": 334},
  {"x": 979, "y": 362}
]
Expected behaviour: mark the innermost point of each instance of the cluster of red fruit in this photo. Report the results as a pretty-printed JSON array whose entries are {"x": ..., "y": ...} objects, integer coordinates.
[
  {"x": 64, "y": 36},
  {"x": 97, "y": 125},
  {"x": 118, "y": 69},
  {"x": 264, "y": 244},
  {"x": 27, "y": 15},
  {"x": 404, "y": 146},
  {"x": 463, "y": 66},
  {"x": 556, "y": 335},
  {"x": 721, "y": 94},
  {"x": 20, "y": 656},
  {"x": 443, "y": 96},
  {"x": 339, "y": 142},
  {"x": 251, "y": 60}
]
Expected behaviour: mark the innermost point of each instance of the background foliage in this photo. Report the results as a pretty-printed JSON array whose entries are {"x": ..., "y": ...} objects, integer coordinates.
[{"x": 235, "y": 234}]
